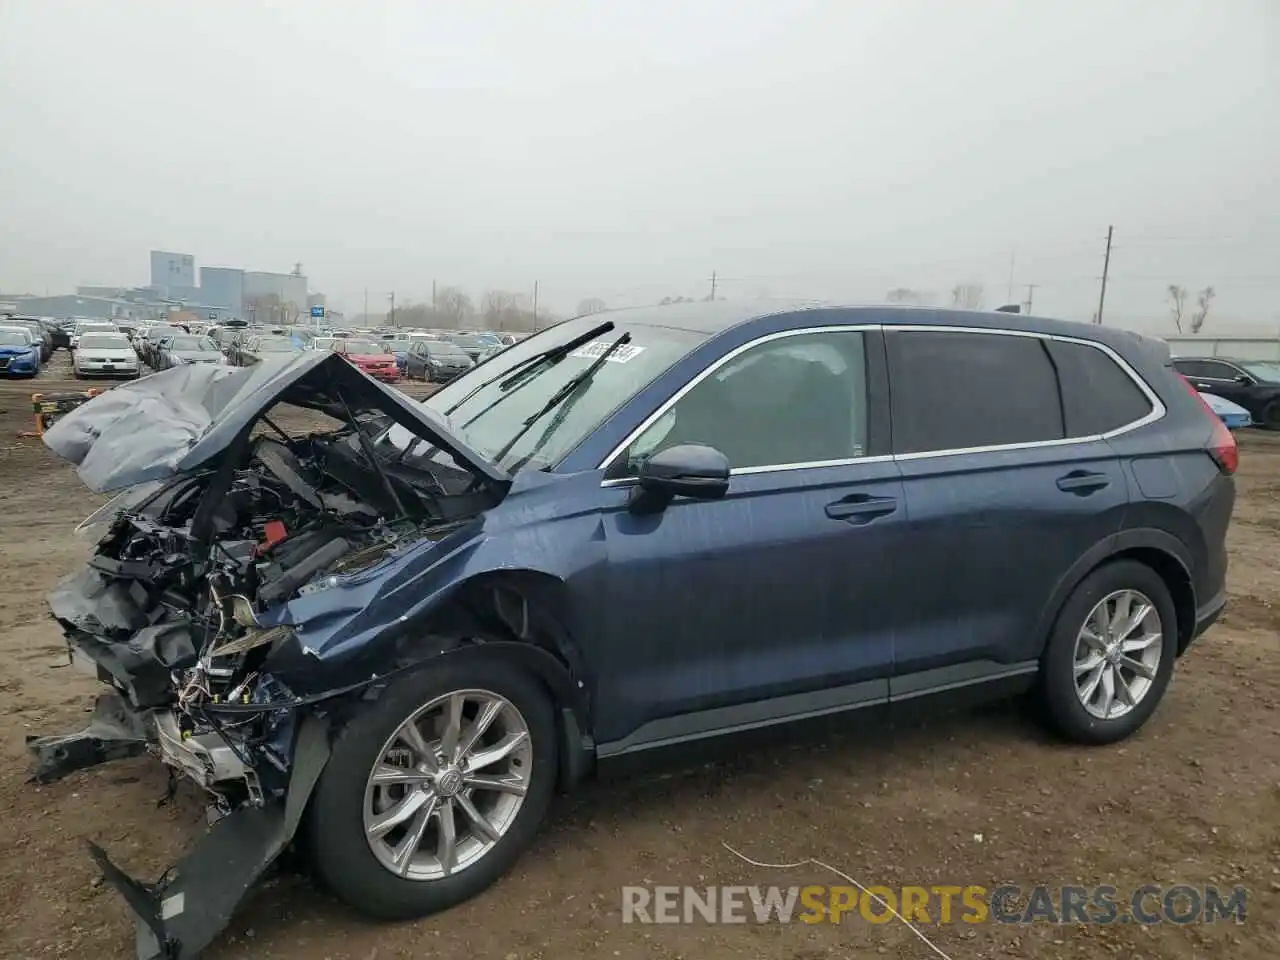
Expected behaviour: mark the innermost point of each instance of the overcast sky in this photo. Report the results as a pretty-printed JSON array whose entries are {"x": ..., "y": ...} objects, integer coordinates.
[{"x": 627, "y": 149}]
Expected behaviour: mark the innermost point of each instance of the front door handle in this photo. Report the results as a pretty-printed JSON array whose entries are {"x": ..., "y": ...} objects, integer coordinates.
[
  {"x": 861, "y": 508},
  {"x": 1082, "y": 482}
]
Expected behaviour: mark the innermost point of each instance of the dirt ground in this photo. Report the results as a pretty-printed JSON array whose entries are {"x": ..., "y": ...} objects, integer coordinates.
[{"x": 1194, "y": 798}]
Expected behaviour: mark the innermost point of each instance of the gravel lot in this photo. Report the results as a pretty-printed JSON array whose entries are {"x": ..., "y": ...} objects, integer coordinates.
[{"x": 1194, "y": 798}]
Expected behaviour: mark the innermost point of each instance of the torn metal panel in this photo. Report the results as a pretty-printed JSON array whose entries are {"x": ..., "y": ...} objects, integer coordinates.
[
  {"x": 114, "y": 733},
  {"x": 178, "y": 916}
]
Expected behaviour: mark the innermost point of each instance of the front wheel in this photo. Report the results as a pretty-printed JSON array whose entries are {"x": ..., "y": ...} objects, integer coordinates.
[
  {"x": 1110, "y": 657},
  {"x": 434, "y": 792}
]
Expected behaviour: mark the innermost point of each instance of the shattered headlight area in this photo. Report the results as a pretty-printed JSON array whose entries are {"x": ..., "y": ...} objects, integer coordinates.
[{"x": 179, "y": 612}]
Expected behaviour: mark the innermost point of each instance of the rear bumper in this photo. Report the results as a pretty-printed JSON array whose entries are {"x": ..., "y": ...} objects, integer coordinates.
[{"x": 1206, "y": 616}]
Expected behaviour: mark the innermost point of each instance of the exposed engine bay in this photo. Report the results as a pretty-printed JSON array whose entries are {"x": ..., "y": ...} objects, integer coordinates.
[
  {"x": 226, "y": 519},
  {"x": 170, "y": 602}
]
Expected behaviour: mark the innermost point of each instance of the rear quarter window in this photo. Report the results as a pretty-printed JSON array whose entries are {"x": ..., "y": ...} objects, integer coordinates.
[
  {"x": 961, "y": 390},
  {"x": 1097, "y": 395}
]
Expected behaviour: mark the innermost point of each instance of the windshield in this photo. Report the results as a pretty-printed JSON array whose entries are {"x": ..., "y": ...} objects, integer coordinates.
[
  {"x": 440, "y": 348},
  {"x": 14, "y": 338},
  {"x": 487, "y": 426},
  {"x": 158, "y": 333},
  {"x": 396, "y": 346},
  {"x": 104, "y": 341},
  {"x": 362, "y": 347},
  {"x": 193, "y": 344},
  {"x": 86, "y": 327},
  {"x": 275, "y": 346},
  {"x": 1269, "y": 372}
]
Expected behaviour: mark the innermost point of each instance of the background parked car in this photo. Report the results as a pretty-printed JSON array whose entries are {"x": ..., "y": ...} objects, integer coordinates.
[
  {"x": 84, "y": 326},
  {"x": 19, "y": 352},
  {"x": 1233, "y": 415},
  {"x": 181, "y": 348},
  {"x": 104, "y": 354},
  {"x": 1252, "y": 384},
  {"x": 436, "y": 361},
  {"x": 39, "y": 332},
  {"x": 148, "y": 343},
  {"x": 479, "y": 346},
  {"x": 253, "y": 350},
  {"x": 370, "y": 356}
]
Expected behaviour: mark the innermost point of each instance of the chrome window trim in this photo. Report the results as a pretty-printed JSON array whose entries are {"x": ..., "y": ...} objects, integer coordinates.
[{"x": 1157, "y": 412}]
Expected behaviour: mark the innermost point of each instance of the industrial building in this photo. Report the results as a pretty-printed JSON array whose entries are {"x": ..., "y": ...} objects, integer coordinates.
[{"x": 223, "y": 293}]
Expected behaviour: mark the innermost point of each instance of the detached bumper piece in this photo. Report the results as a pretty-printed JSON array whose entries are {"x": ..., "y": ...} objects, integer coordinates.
[
  {"x": 182, "y": 913},
  {"x": 114, "y": 733}
]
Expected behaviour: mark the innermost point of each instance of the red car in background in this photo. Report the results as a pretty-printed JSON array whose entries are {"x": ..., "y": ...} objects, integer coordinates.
[{"x": 370, "y": 356}]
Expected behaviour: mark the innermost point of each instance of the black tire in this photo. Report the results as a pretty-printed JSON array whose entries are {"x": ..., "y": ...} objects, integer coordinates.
[
  {"x": 1271, "y": 416},
  {"x": 1063, "y": 709},
  {"x": 336, "y": 835}
]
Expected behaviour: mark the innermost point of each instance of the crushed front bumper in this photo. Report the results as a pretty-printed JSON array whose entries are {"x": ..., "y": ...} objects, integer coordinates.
[{"x": 180, "y": 914}]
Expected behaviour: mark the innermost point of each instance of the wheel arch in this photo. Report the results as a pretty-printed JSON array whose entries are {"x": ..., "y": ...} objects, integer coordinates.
[
  {"x": 1160, "y": 551},
  {"x": 522, "y": 615}
]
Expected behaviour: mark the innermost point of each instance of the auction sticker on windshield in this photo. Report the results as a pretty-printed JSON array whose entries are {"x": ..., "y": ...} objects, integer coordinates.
[{"x": 621, "y": 354}]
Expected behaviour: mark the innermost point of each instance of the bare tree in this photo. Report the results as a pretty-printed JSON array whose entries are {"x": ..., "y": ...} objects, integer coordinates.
[
  {"x": 1177, "y": 303},
  {"x": 591, "y": 305},
  {"x": 453, "y": 306},
  {"x": 1203, "y": 299},
  {"x": 967, "y": 296},
  {"x": 507, "y": 311}
]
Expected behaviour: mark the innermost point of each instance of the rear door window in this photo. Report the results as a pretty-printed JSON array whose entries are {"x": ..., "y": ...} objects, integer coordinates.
[
  {"x": 1097, "y": 395},
  {"x": 961, "y": 390}
]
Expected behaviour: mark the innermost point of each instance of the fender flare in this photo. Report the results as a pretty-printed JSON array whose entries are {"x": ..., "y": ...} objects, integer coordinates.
[{"x": 1102, "y": 551}]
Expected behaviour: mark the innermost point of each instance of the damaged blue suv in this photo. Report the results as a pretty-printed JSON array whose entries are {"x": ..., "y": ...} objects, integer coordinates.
[{"x": 392, "y": 638}]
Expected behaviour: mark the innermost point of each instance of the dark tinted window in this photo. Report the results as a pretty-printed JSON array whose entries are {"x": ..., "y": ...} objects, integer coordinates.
[
  {"x": 1097, "y": 396},
  {"x": 799, "y": 399},
  {"x": 953, "y": 391},
  {"x": 1190, "y": 368},
  {"x": 1218, "y": 370}
]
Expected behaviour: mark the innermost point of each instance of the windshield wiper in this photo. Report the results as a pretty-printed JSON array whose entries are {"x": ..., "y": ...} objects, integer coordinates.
[
  {"x": 526, "y": 367},
  {"x": 560, "y": 396}
]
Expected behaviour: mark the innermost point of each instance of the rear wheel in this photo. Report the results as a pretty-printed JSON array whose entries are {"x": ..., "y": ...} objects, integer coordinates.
[
  {"x": 433, "y": 793},
  {"x": 1271, "y": 415},
  {"x": 1110, "y": 657}
]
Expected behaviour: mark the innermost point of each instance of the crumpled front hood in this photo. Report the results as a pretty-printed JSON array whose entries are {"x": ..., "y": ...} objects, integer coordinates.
[
  {"x": 182, "y": 418},
  {"x": 15, "y": 351}
]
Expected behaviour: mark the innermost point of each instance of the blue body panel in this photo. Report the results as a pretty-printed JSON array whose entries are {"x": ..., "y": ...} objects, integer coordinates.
[{"x": 761, "y": 595}]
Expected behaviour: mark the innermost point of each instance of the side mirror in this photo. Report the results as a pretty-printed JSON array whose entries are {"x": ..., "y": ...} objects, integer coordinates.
[
  {"x": 1244, "y": 380},
  {"x": 688, "y": 470}
]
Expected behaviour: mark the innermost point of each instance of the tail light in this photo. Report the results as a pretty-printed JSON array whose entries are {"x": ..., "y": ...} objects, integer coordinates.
[{"x": 1222, "y": 445}]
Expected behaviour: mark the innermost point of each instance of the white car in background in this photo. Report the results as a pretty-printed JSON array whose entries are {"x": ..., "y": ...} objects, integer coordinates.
[
  {"x": 104, "y": 353},
  {"x": 91, "y": 326}
]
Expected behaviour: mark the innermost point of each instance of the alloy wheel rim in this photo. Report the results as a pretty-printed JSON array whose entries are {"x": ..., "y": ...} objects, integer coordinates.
[
  {"x": 1117, "y": 654},
  {"x": 447, "y": 785}
]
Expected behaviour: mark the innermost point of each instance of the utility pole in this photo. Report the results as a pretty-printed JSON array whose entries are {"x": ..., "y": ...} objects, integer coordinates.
[
  {"x": 1031, "y": 287},
  {"x": 1106, "y": 266},
  {"x": 366, "y": 304},
  {"x": 535, "y": 305},
  {"x": 1012, "y": 255},
  {"x": 713, "y": 286},
  {"x": 392, "y": 319},
  {"x": 433, "y": 296}
]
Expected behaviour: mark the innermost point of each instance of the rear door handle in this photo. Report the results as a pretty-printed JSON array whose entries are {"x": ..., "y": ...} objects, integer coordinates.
[
  {"x": 861, "y": 508},
  {"x": 1082, "y": 482}
]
